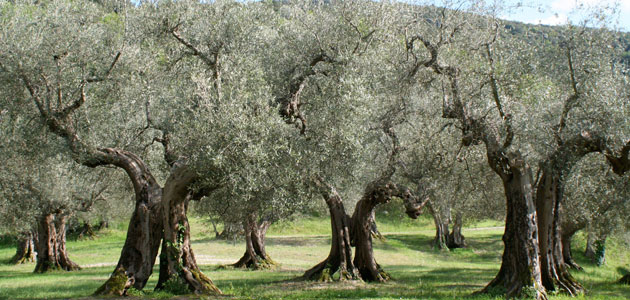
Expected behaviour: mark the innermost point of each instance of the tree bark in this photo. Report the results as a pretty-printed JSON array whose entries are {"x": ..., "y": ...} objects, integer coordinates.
[
  {"x": 340, "y": 257},
  {"x": 568, "y": 228},
  {"x": 567, "y": 253},
  {"x": 441, "y": 229},
  {"x": 589, "y": 250},
  {"x": 25, "y": 251},
  {"x": 255, "y": 256},
  {"x": 144, "y": 233},
  {"x": 600, "y": 251},
  {"x": 519, "y": 274},
  {"x": 60, "y": 222},
  {"x": 554, "y": 271},
  {"x": 51, "y": 247},
  {"x": 177, "y": 258},
  {"x": 595, "y": 248},
  {"x": 376, "y": 193},
  {"x": 456, "y": 239}
]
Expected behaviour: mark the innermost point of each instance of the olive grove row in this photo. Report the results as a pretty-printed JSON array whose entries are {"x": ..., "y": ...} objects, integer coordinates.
[{"x": 255, "y": 108}]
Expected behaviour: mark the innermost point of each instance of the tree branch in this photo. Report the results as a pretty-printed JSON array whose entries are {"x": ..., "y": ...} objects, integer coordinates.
[
  {"x": 33, "y": 92},
  {"x": 106, "y": 74},
  {"x": 507, "y": 120},
  {"x": 195, "y": 51},
  {"x": 570, "y": 101}
]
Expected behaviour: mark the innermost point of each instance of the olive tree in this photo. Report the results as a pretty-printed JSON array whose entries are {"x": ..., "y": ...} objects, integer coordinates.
[
  {"x": 59, "y": 61},
  {"x": 482, "y": 85},
  {"x": 328, "y": 85}
]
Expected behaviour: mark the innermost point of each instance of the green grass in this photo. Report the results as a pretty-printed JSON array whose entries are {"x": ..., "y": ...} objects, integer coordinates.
[{"x": 419, "y": 272}]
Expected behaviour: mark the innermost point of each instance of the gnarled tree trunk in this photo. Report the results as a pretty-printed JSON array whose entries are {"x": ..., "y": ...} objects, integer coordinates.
[
  {"x": 441, "y": 229},
  {"x": 519, "y": 274},
  {"x": 567, "y": 252},
  {"x": 456, "y": 239},
  {"x": 66, "y": 263},
  {"x": 595, "y": 248},
  {"x": 255, "y": 256},
  {"x": 177, "y": 261},
  {"x": 340, "y": 257},
  {"x": 376, "y": 193},
  {"x": 599, "y": 257},
  {"x": 51, "y": 246},
  {"x": 144, "y": 233},
  {"x": 568, "y": 228},
  {"x": 589, "y": 249},
  {"x": 554, "y": 271},
  {"x": 145, "y": 228},
  {"x": 25, "y": 251}
]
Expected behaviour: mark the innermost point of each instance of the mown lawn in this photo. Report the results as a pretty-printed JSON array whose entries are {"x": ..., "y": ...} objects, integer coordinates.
[{"x": 419, "y": 271}]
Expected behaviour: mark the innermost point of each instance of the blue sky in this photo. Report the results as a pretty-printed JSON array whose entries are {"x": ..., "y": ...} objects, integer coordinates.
[{"x": 558, "y": 12}]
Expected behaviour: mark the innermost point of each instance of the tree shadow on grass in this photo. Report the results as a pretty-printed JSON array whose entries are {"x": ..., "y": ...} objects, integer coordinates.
[
  {"x": 409, "y": 282},
  {"x": 479, "y": 250},
  {"x": 62, "y": 284}
]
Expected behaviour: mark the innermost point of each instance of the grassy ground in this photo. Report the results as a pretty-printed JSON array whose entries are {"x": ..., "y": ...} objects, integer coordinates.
[{"x": 419, "y": 272}]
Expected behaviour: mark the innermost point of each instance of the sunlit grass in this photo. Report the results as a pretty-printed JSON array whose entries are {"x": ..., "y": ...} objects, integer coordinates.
[{"x": 419, "y": 271}]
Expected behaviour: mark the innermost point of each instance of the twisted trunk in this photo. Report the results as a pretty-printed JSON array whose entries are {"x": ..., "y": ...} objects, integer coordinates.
[
  {"x": 177, "y": 261},
  {"x": 255, "y": 256},
  {"x": 519, "y": 274},
  {"x": 600, "y": 251},
  {"x": 568, "y": 228},
  {"x": 456, "y": 239},
  {"x": 144, "y": 233},
  {"x": 25, "y": 251},
  {"x": 340, "y": 257},
  {"x": 441, "y": 229},
  {"x": 567, "y": 253},
  {"x": 549, "y": 194},
  {"x": 51, "y": 247},
  {"x": 376, "y": 193},
  {"x": 554, "y": 271},
  {"x": 595, "y": 248},
  {"x": 66, "y": 263},
  {"x": 145, "y": 228}
]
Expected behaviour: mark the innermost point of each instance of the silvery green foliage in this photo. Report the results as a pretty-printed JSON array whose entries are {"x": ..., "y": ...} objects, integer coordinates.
[
  {"x": 54, "y": 48},
  {"x": 35, "y": 182},
  {"x": 597, "y": 198},
  {"x": 217, "y": 106},
  {"x": 59, "y": 46},
  {"x": 218, "y": 94},
  {"x": 344, "y": 97}
]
